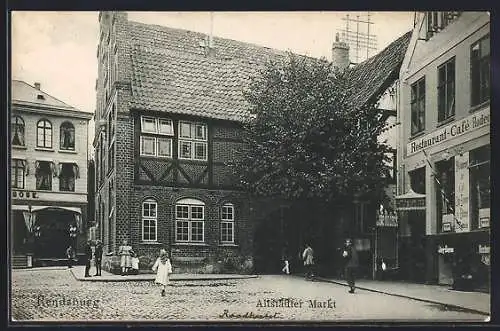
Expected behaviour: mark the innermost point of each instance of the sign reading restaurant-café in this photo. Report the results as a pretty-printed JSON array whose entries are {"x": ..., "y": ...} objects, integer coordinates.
[{"x": 450, "y": 131}]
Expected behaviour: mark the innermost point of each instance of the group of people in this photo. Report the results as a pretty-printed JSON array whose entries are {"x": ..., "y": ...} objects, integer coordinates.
[
  {"x": 97, "y": 253},
  {"x": 128, "y": 261},
  {"x": 351, "y": 262}
]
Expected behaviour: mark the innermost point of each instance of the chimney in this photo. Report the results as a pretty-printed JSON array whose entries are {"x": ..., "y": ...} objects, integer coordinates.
[
  {"x": 340, "y": 54},
  {"x": 37, "y": 86}
]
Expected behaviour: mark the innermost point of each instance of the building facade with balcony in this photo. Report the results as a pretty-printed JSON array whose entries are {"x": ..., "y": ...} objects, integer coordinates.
[
  {"x": 444, "y": 151},
  {"x": 48, "y": 174}
]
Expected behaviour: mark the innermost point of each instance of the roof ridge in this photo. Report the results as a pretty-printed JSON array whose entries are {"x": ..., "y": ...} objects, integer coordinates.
[
  {"x": 50, "y": 95},
  {"x": 201, "y": 34}
]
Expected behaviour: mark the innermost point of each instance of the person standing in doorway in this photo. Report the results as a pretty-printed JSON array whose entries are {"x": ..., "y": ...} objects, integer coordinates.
[
  {"x": 88, "y": 257},
  {"x": 70, "y": 254},
  {"x": 125, "y": 252},
  {"x": 308, "y": 257},
  {"x": 98, "y": 258},
  {"x": 351, "y": 257}
]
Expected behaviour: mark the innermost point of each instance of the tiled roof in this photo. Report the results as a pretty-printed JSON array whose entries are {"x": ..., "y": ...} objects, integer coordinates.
[
  {"x": 25, "y": 93},
  {"x": 171, "y": 72},
  {"x": 372, "y": 77}
]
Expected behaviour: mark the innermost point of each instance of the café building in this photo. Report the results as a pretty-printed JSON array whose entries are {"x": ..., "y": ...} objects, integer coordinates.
[
  {"x": 444, "y": 154},
  {"x": 48, "y": 171}
]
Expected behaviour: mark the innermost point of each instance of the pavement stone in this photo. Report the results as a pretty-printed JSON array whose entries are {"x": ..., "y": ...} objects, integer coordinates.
[
  {"x": 56, "y": 295},
  {"x": 473, "y": 301}
]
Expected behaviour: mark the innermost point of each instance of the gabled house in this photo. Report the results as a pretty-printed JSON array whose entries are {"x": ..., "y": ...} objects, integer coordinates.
[{"x": 168, "y": 118}]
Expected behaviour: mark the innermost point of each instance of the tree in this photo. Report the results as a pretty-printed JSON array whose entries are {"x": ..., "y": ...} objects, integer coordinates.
[{"x": 304, "y": 138}]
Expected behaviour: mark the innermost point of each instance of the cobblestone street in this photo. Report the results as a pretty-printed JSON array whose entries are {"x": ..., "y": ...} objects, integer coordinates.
[{"x": 55, "y": 295}]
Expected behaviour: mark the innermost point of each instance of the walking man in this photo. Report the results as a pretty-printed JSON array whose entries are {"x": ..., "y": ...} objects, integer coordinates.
[
  {"x": 98, "y": 258},
  {"x": 308, "y": 257},
  {"x": 88, "y": 258},
  {"x": 351, "y": 256}
]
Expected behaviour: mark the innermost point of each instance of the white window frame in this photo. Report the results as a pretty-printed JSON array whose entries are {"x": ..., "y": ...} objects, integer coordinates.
[
  {"x": 171, "y": 125},
  {"x": 149, "y": 218},
  {"x": 190, "y": 203},
  {"x": 154, "y": 145},
  {"x": 192, "y": 140},
  {"x": 143, "y": 119},
  {"x": 158, "y": 147},
  {"x": 226, "y": 220}
]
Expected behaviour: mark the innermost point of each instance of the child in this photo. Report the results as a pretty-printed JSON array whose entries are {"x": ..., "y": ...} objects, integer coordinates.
[
  {"x": 163, "y": 269},
  {"x": 135, "y": 264},
  {"x": 286, "y": 268}
]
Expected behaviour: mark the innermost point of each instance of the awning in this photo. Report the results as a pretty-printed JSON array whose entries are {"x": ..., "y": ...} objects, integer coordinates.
[
  {"x": 73, "y": 209},
  {"x": 410, "y": 201},
  {"x": 20, "y": 207}
]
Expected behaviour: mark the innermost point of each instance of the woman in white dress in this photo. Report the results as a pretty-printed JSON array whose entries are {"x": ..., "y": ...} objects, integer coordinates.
[
  {"x": 125, "y": 251},
  {"x": 163, "y": 269}
]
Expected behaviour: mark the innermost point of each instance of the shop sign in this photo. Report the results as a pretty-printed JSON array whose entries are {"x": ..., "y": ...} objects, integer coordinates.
[
  {"x": 410, "y": 203},
  {"x": 484, "y": 217},
  {"x": 484, "y": 249},
  {"x": 387, "y": 220},
  {"x": 450, "y": 131},
  {"x": 448, "y": 221},
  {"x": 21, "y": 194},
  {"x": 445, "y": 250},
  {"x": 462, "y": 192}
]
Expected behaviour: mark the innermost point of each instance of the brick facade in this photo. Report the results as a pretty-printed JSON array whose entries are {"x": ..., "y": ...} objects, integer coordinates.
[{"x": 137, "y": 178}]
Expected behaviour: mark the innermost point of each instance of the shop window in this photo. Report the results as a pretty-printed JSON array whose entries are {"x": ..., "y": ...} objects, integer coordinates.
[
  {"x": 227, "y": 223},
  {"x": 17, "y": 173},
  {"x": 418, "y": 106},
  {"x": 68, "y": 172},
  {"x": 480, "y": 187},
  {"x": 67, "y": 139},
  {"x": 480, "y": 71},
  {"x": 445, "y": 194},
  {"x": 44, "y": 134},
  {"x": 149, "y": 220},
  {"x": 190, "y": 221},
  {"x": 17, "y": 131},
  {"x": 446, "y": 90},
  {"x": 43, "y": 173},
  {"x": 417, "y": 180}
]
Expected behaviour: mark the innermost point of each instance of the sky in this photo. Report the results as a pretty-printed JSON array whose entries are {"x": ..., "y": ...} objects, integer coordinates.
[{"x": 59, "y": 49}]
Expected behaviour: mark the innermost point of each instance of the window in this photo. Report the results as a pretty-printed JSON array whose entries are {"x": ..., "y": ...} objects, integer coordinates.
[
  {"x": 17, "y": 173},
  {"x": 17, "y": 131},
  {"x": 192, "y": 141},
  {"x": 417, "y": 180},
  {"x": 418, "y": 106},
  {"x": 149, "y": 220},
  {"x": 480, "y": 186},
  {"x": 480, "y": 71},
  {"x": 43, "y": 174},
  {"x": 153, "y": 142},
  {"x": 227, "y": 224},
  {"x": 68, "y": 172},
  {"x": 103, "y": 155},
  {"x": 44, "y": 134},
  {"x": 189, "y": 223},
  {"x": 445, "y": 193},
  {"x": 437, "y": 21},
  {"x": 446, "y": 90},
  {"x": 67, "y": 136}
]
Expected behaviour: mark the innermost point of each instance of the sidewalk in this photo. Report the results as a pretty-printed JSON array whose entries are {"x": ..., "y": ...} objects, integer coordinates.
[
  {"x": 79, "y": 273},
  {"x": 473, "y": 301}
]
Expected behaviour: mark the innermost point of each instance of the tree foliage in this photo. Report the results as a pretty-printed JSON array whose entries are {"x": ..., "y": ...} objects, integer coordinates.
[{"x": 305, "y": 140}]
